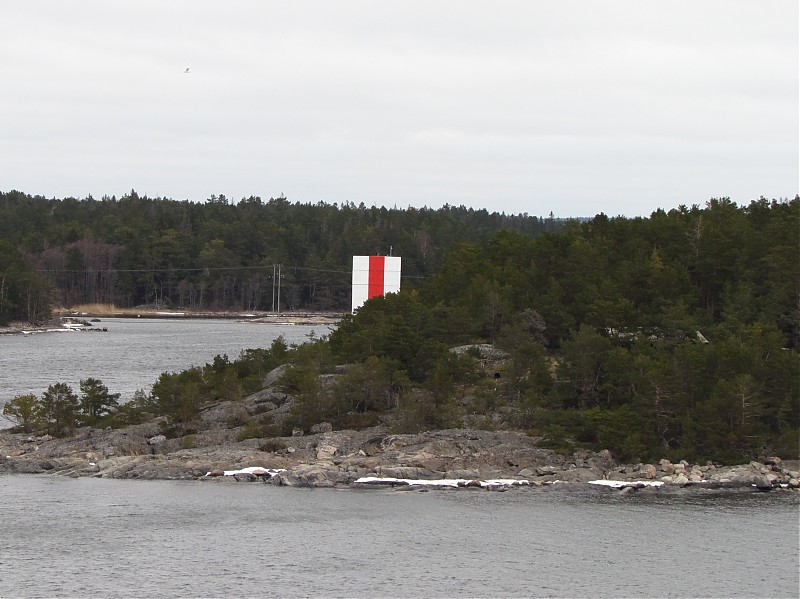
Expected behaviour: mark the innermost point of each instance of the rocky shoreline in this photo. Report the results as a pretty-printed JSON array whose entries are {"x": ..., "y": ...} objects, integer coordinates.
[
  {"x": 454, "y": 458},
  {"x": 373, "y": 457},
  {"x": 88, "y": 320}
]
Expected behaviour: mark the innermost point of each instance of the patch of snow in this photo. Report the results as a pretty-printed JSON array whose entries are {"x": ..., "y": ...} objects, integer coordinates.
[
  {"x": 251, "y": 470},
  {"x": 443, "y": 482},
  {"x": 626, "y": 483}
]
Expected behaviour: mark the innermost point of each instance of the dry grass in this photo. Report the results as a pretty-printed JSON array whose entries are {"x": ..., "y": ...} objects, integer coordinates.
[{"x": 97, "y": 310}]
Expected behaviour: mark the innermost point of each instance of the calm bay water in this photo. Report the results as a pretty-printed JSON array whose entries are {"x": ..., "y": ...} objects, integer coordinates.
[
  {"x": 131, "y": 354},
  {"x": 62, "y": 537},
  {"x": 96, "y": 537}
]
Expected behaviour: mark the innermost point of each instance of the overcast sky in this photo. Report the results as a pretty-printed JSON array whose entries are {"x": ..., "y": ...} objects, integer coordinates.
[{"x": 575, "y": 107}]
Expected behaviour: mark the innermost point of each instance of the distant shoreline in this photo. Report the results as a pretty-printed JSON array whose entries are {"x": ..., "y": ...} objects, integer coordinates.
[
  {"x": 107, "y": 311},
  {"x": 65, "y": 316}
]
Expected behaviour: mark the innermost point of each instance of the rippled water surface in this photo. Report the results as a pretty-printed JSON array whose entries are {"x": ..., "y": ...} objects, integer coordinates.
[
  {"x": 104, "y": 538},
  {"x": 131, "y": 354},
  {"x": 96, "y": 537}
]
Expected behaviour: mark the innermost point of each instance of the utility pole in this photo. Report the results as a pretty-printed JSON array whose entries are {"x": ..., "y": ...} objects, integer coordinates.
[
  {"x": 279, "y": 289},
  {"x": 273, "y": 287}
]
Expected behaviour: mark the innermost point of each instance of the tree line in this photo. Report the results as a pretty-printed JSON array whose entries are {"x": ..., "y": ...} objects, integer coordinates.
[
  {"x": 60, "y": 410},
  {"x": 216, "y": 255},
  {"x": 670, "y": 336},
  {"x": 675, "y": 335}
]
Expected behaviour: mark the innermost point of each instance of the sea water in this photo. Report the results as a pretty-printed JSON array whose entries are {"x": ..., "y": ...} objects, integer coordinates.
[
  {"x": 131, "y": 353},
  {"x": 63, "y": 537},
  {"x": 109, "y": 538}
]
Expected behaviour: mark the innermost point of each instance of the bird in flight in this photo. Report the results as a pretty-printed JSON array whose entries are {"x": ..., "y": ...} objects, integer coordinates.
[{"x": 187, "y": 70}]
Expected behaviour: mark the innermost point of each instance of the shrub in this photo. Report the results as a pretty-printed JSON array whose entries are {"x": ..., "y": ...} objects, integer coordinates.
[
  {"x": 251, "y": 430},
  {"x": 272, "y": 445},
  {"x": 359, "y": 420},
  {"x": 269, "y": 429}
]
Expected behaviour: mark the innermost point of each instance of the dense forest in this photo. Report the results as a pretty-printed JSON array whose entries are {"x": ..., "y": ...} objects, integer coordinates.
[
  {"x": 216, "y": 255},
  {"x": 670, "y": 336}
]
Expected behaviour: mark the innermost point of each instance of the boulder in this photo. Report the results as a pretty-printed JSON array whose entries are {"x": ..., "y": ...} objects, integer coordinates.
[
  {"x": 602, "y": 460},
  {"x": 546, "y": 470},
  {"x": 224, "y": 415},
  {"x": 285, "y": 479},
  {"x": 322, "y": 427},
  {"x": 762, "y": 483},
  {"x": 264, "y": 400},
  {"x": 460, "y": 473},
  {"x": 486, "y": 351},
  {"x": 648, "y": 471},
  {"x": 274, "y": 375},
  {"x": 22, "y": 466},
  {"x": 666, "y": 467},
  {"x": 312, "y": 475},
  {"x": 380, "y": 482},
  {"x": 680, "y": 480},
  {"x": 409, "y": 472},
  {"x": 327, "y": 447}
]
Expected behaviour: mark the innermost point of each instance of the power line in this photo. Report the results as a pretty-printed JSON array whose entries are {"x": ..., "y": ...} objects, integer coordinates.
[{"x": 203, "y": 270}]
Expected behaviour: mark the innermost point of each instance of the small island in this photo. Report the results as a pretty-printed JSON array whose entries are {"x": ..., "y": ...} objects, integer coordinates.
[
  {"x": 225, "y": 445},
  {"x": 648, "y": 350}
]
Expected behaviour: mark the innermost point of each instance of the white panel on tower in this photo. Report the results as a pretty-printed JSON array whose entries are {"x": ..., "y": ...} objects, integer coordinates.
[
  {"x": 374, "y": 276},
  {"x": 360, "y": 281},
  {"x": 391, "y": 274}
]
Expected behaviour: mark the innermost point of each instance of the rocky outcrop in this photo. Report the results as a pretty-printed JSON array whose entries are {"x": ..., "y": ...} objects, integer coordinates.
[
  {"x": 324, "y": 457},
  {"x": 340, "y": 458}
]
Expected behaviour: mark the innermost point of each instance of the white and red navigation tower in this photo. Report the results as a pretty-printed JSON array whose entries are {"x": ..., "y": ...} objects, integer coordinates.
[{"x": 373, "y": 276}]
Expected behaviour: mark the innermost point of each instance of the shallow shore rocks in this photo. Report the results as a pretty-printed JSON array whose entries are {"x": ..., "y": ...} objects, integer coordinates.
[{"x": 327, "y": 458}]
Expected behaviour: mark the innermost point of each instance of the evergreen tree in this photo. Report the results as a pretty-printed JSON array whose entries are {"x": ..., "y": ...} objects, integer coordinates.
[
  {"x": 25, "y": 412},
  {"x": 95, "y": 401},
  {"x": 60, "y": 408}
]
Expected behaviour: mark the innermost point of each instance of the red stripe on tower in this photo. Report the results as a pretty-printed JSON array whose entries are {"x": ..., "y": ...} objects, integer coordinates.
[{"x": 376, "y": 277}]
